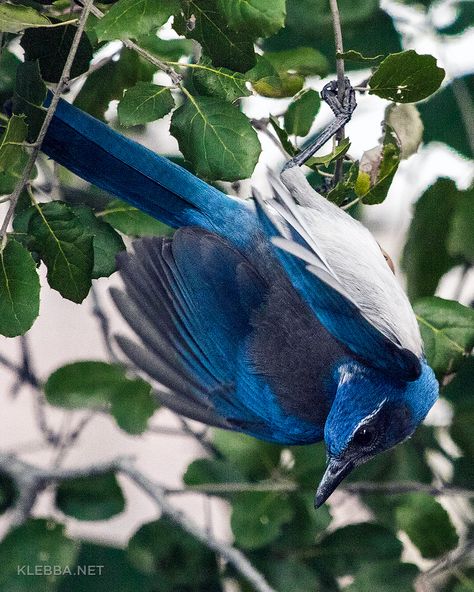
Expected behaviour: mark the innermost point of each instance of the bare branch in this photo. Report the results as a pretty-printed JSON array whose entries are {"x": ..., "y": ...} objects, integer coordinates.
[
  {"x": 30, "y": 480},
  {"x": 400, "y": 487},
  {"x": 390, "y": 488},
  {"x": 104, "y": 326},
  {"x": 336, "y": 21}
]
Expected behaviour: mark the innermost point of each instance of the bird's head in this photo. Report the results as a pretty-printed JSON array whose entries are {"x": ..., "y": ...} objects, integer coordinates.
[{"x": 371, "y": 413}]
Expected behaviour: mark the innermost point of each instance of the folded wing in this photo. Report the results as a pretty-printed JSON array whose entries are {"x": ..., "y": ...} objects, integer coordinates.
[{"x": 339, "y": 269}]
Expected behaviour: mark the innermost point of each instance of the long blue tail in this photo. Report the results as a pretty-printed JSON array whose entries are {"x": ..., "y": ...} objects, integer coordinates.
[{"x": 135, "y": 174}]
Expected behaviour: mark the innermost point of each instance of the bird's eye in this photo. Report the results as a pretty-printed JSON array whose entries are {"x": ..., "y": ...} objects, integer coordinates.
[{"x": 364, "y": 436}]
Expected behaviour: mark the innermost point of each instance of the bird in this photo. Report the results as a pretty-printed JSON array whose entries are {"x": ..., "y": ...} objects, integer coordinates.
[{"x": 277, "y": 317}]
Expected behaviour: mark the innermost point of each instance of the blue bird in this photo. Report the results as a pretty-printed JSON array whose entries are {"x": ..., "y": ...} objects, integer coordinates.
[{"x": 279, "y": 318}]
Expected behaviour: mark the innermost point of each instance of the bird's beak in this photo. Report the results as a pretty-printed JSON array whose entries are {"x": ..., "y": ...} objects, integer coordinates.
[{"x": 336, "y": 471}]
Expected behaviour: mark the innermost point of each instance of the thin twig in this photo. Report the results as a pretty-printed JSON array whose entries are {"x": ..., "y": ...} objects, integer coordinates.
[
  {"x": 390, "y": 488},
  {"x": 336, "y": 21},
  {"x": 104, "y": 326},
  {"x": 261, "y": 125},
  {"x": 30, "y": 480},
  {"x": 175, "y": 77},
  {"x": 63, "y": 81}
]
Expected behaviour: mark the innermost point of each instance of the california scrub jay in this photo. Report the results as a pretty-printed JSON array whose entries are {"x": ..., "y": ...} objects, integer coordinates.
[{"x": 277, "y": 318}]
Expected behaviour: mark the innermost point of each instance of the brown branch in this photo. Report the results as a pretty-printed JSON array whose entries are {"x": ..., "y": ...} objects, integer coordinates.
[
  {"x": 336, "y": 21},
  {"x": 63, "y": 81},
  {"x": 30, "y": 480}
]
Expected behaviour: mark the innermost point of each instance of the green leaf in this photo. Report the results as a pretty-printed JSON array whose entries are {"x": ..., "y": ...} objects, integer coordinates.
[
  {"x": 427, "y": 524},
  {"x": 15, "y": 17},
  {"x": 216, "y": 138},
  {"x": 201, "y": 20},
  {"x": 257, "y": 518},
  {"x": 36, "y": 543},
  {"x": 327, "y": 159},
  {"x": 385, "y": 577},
  {"x": 282, "y": 136},
  {"x": 143, "y": 103},
  {"x": 460, "y": 392},
  {"x": 166, "y": 49},
  {"x": 259, "y": 17},
  {"x": 8, "y": 492},
  {"x": 94, "y": 97},
  {"x": 447, "y": 329},
  {"x": 425, "y": 257},
  {"x": 266, "y": 80},
  {"x": 463, "y": 20},
  {"x": 132, "y": 221},
  {"x": 8, "y": 66},
  {"x": 128, "y": 19},
  {"x": 461, "y": 234},
  {"x": 177, "y": 559},
  {"x": 106, "y": 569},
  {"x": 219, "y": 82},
  {"x": 106, "y": 243},
  {"x": 19, "y": 290},
  {"x": 305, "y": 61},
  {"x": 205, "y": 470},
  {"x": 51, "y": 48},
  {"x": 29, "y": 96},
  {"x": 464, "y": 467},
  {"x": 306, "y": 525},
  {"x": 94, "y": 385},
  {"x": 133, "y": 405},
  {"x": 443, "y": 119},
  {"x": 309, "y": 23},
  {"x": 301, "y": 112},
  {"x": 65, "y": 247},
  {"x": 377, "y": 168},
  {"x": 344, "y": 190},
  {"x": 406, "y": 122},
  {"x": 291, "y": 574},
  {"x": 255, "y": 459},
  {"x": 90, "y": 498},
  {"x": 356, "y": 56},
  {"x": 406, "y": 77},
  {"x": 12, "y": 152},
  {"x": 350, "y": 548}
]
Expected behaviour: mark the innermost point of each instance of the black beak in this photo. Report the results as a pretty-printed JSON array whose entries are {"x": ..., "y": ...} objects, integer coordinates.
[{"x": 335, "y": 473}]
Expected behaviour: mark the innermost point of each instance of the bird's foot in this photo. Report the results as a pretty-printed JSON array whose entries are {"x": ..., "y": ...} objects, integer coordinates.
[{"x": 342, "y": 108}]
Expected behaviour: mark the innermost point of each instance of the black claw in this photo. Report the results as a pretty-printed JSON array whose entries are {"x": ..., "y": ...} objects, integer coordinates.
[
  {"x": 342, "y": 109},
  {"x": 346, "y": 106}
]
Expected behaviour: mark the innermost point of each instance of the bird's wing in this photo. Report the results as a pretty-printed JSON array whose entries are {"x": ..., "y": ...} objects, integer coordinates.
[
  {"x": 189, "y": 299},
  {"x": 349, "y": 286}
]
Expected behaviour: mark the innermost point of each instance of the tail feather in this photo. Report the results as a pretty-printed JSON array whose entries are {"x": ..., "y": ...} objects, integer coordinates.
[{"x": 98, "y": 154}]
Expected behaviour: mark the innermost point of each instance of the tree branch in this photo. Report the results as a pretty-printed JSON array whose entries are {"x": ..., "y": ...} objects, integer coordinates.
[
  {"x": 336, "y": 21},
  {"x": 389, "y": 488},
  {"x": 31, "y": 480}
]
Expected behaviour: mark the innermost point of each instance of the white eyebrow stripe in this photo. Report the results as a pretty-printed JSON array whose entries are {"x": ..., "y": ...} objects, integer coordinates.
[{"x": 367, "y": 418}]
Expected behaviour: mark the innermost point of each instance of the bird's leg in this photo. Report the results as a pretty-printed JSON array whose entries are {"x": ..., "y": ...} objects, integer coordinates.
[{"x": 342, "y": 109}]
